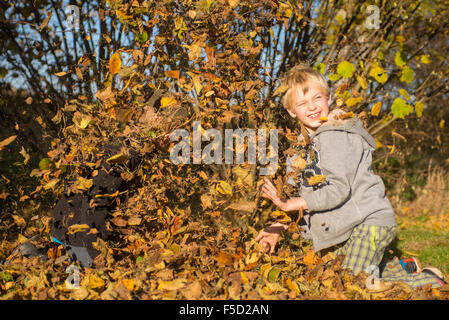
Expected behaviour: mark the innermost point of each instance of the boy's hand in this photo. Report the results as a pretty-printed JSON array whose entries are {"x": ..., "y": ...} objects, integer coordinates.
[
  {"x": 269, "y": 236},
  {"x": 269, "y": 191}
]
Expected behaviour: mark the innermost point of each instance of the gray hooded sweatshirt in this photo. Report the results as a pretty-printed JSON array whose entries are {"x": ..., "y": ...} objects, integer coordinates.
[{"x": 352, "y": 194}]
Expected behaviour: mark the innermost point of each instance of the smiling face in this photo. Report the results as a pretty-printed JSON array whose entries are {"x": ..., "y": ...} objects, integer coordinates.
[{"x": 310, "y": 106}]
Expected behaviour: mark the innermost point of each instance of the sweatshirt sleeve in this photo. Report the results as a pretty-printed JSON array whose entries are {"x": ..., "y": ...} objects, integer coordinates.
[{"x": 339, "y": 157}]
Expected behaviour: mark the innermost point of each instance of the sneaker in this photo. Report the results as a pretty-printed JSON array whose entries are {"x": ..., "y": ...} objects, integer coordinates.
[
  {"x": 436, "y": 273},
  {"x": 411, "y": 265}
]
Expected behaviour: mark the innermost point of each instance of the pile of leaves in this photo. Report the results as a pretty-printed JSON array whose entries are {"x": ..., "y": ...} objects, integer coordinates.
[{"x": 187, "y": 231}]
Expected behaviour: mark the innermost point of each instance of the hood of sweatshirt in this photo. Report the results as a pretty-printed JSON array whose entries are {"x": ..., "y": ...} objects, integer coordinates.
[{"x": 350, "y": 124}]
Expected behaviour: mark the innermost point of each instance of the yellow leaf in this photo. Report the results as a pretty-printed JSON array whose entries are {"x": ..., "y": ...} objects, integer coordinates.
[
  {"x": 362, "y": 82},
  {"x": 223, "y": 187},
  {"x": 281, "y": 216},
  {"x": 25, "y": 155},
  {"x": 83, "y": 183},
  {"x": 118, "y": 158},
  {"x": 51, "y": 184},
  {"x": 167, "y": 101},
  {"x": 233, "y": 3},
  {"x": 353, "y": 101},
  {"x": 376, "y": 109},
  {"x": 107, "y": 195},
  {"x": 243, "y": 205},
  {"x": 115, "y": 63},
  {"x": 128, "y": 283},
  {"x": 7, "y": 141},
  {"x": 299, "y": 164},
  {"x": 172, "y": 74},
  {"x": 60, "y": 74},
  {"x": 314, "y": 180},
  {"x": 378, "y": 144},
  {"x": 85, "y": 120},
  {"x": 77, "y": 228},
  {"x": 323, "y": 118},
  {"x": 95, "y": 282},
  {"x": 280, "y": 90},
  {"x": 172, "y": 285},
  {"x": 264, "y": 270},
  {"x": 292, "y": 286},
  {"x": 311, "y": 259},
  {"x": 400, "y": 38}
]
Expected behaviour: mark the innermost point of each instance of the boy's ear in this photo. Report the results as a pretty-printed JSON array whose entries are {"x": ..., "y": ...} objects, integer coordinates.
[
  {"x": 290, "y": 113},
  {"x": 329, "y": 100}
]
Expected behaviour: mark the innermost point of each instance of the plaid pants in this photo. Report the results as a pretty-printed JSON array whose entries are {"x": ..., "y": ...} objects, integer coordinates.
[{"x": 365, "y": 249}]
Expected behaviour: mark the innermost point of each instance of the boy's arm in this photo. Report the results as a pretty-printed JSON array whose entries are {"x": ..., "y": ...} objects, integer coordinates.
[{"x": 340, "y": 155}]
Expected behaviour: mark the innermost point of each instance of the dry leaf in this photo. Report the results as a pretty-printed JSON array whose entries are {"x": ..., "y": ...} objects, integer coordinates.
[{"x": 115, "y": 63}]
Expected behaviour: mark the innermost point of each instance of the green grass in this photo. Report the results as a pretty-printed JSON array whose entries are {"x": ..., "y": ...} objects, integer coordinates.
[{"x": 429, "y": 246}]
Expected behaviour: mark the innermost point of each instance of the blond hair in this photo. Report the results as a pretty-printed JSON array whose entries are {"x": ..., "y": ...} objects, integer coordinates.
[{"x": 302, "y": 75}]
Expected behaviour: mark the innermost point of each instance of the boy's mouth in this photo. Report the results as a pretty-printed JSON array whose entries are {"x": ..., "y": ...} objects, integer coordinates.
[{"x": 315, "y": 115}]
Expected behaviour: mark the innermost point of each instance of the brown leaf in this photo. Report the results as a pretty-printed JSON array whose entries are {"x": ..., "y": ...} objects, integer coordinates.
[
  {"x": 243, "y": 205},
  {"x": 119, "y": 222},
  {"x": 46, "y": 20},
  {"x": 224, "y": 258},
  {"x": 193, "y": 291},
  {"x": 115, "y": 63}
]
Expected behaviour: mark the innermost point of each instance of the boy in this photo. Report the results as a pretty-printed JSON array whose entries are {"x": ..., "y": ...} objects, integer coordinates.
[{"x": 348, "y": 213}]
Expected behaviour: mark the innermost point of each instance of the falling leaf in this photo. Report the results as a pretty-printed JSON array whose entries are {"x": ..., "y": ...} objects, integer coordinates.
[
  {"x": 223, "y": 187},
  {"x": 376, "y": 108},
  {"x": 346, "y": 115},
  {"x": 419, "y": 108},
  {"x": 345, "y": 69},
  {"x": 400, "y": 59},
  {"x": 134, "y": 221},
  {"x": 83, "y": 183},
  {"x": 7, "y": 141},
  {"x": 353, "y": 101},
  {"x": 119, "y": 222},
  {"x": 400, "y": 108},
  {"x": 316, "y": 179},
  {"x": 117, "y": 159},
  {"x": 29, "y": 100},
  {"x": 280, "y": 90},
  {"x": 60, "y": 74},
  {"x": 77, "y": 228},
  {"x": 167, "y": 101},
  {"x": 362, "y": 82},
  {"x": 425, "y": 58},
  {"x": 46, "y": 20},
  {"x": 172, "y": 74},
  {"x": 407, "y": 75},
  {"x": 243, "y": 205},
  {"x": 51, "y": 184},
  {"x": 115, "y": 63},
  {"x": 20, "y": 221}
]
